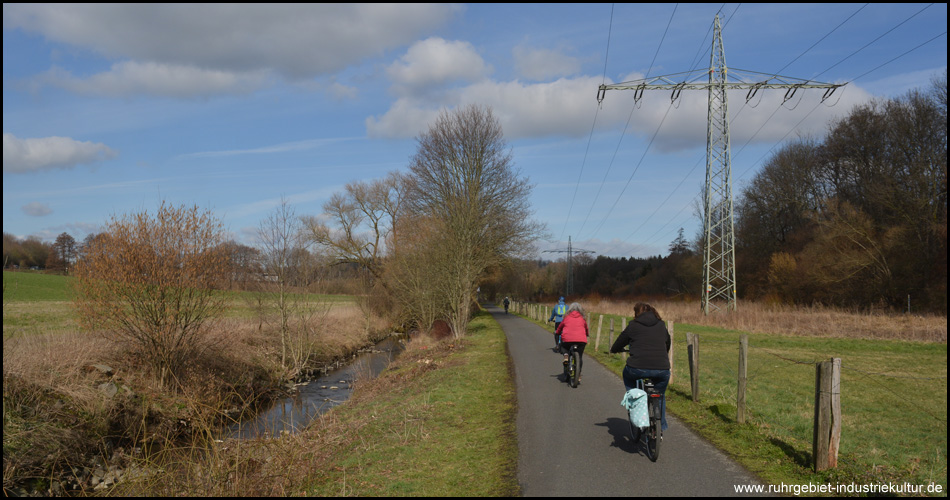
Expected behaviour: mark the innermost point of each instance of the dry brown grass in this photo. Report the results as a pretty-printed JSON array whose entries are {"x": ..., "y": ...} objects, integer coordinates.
[
  {"x": 56, "y": 417},
  {"x": 816, "y": 321},
  {"x": 285, "y": 466}
]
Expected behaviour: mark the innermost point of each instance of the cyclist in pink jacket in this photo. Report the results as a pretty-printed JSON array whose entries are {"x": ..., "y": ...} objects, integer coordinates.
[{"x": 573, "y": 331}]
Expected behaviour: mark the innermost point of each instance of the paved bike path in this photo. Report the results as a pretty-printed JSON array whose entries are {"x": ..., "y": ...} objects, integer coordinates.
[{"x": 576, "y": 442}]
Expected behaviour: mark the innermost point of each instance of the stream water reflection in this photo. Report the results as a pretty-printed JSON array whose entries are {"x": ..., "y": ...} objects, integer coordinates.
[{"x": 313, "y": 398}]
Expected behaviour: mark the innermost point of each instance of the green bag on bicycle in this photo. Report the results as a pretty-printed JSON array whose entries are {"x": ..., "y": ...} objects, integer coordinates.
[{"x": 635, "y": 401}]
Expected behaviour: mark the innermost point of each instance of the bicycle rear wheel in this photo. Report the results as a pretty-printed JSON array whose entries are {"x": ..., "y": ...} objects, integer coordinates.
[
  {"x": 575, "y": 367},
  {"x": 654, "y": 433}
]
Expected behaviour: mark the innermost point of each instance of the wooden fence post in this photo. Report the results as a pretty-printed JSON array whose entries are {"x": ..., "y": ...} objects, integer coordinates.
[
  {"x": 610, "y": 335},
  {"x": 599, "y": 325},
  {"x": 827, "y": 433},
  {"x": 692, "y": 354},
  {"x": 740, "y": 392},
  {"x": 623, "y": 326}
]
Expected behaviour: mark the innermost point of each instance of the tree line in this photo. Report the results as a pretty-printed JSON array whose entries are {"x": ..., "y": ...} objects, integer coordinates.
[{"x": 857, "y": 219}]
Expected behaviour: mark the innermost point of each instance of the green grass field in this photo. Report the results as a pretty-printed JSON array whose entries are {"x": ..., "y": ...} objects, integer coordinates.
[
  {"x": 893, "y": 403},
  {"x": 42, "y": 303},
  {"x": 30, "y": 286}
]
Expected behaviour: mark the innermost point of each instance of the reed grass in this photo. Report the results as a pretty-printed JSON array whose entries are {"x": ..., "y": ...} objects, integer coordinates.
[{"x": 58, "y": 421}]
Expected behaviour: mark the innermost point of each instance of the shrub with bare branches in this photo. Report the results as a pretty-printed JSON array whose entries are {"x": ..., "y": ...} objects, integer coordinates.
[{"x": 150, "y": 281}]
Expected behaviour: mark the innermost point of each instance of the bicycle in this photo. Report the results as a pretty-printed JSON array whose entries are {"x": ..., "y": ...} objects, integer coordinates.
[
  {"x": 557, "y": 339},
  {"x": 654, "y": 430},
  {"x": 572, "y": 370}
]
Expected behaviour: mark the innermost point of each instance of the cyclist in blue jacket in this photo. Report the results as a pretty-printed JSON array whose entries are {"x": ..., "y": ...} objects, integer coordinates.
[{"x": 557, "y": 316}]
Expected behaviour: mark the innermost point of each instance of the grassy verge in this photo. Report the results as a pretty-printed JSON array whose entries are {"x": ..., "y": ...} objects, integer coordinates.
[
  {"x": 894, "y": 404},
  {"x": 441, "y": 423}
]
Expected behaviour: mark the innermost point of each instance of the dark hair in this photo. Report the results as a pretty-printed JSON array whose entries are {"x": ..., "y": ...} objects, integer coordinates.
[{"x": 642, "y": 307}]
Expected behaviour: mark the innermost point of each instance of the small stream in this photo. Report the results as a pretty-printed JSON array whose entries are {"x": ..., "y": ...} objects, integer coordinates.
[{"x": 317, "y": 396}]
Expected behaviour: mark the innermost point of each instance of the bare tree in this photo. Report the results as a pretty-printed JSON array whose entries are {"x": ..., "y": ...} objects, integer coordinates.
[
  {"x": 357, "y": 223},
  {"x": 414, "y": 277},
  {"x": 279, "y": 237},
  {"x": 465, "y": 185},
  {"x": 150, "y": 280}
]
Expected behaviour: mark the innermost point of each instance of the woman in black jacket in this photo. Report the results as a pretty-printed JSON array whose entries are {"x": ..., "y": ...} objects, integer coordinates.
[{"x": 649, "y": 342}]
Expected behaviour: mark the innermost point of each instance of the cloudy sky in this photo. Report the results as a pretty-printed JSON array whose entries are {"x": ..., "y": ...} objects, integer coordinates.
[{"x": 111, "y": 108}]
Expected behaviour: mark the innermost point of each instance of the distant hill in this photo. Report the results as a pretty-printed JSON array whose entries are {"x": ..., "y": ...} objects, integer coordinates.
[{"x": 27, "y": 286}]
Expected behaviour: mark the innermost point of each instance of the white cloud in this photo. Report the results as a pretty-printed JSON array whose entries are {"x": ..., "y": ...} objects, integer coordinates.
[
  {"x": 294, "y": 40},
  {"x": 543, "y": 64},
  {"x": 435, "y": 61},
  {"x": 406, "y": 118},
  {"x": 46, "y": 153},
  {"x": 36, "y": 209},
  {"x": 131, "y": 77},
  {"x": 277, "y": 148},
  {"x": 566, "y": 107}
]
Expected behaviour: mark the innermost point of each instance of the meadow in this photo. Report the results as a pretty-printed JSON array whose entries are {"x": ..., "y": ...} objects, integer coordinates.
[
  {"x": 893, "y": 389},
  {"x": 74, "y": 400}
]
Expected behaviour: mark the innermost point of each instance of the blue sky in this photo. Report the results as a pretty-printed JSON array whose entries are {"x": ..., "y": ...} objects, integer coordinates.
[{"x": 113, "y": 108}]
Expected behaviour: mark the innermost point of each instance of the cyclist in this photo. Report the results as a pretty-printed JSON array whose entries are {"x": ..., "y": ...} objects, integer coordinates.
[
  {"x": 506, "y": 304},
  {"x": 649, "y": 342},
  {"x": 557, "y": 315},
  {"x": 574, "y": 332}
]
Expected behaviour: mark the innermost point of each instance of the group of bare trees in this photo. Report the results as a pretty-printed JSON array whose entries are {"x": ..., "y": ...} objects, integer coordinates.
[
  {"x": 857, "y": 218},
  {"x": 425, "y": 240},
  {"x": 429, "y": 237}
]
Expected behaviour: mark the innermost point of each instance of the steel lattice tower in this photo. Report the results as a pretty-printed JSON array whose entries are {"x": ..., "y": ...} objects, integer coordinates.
[
  {"x": 569, "y": 288},
  {"x": 719, "y": 256},
  {"x": 719, "y": 261}
]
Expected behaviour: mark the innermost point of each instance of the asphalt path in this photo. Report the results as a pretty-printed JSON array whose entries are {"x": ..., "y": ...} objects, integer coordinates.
[{"x": 576, "y": 441}]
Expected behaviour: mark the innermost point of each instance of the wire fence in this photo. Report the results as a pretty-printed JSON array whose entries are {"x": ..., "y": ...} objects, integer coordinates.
[{"x": 893, "y": 395}]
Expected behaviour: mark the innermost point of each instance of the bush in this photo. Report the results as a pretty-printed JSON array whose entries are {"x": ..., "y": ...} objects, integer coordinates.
[{"x": 149, "y": 281}]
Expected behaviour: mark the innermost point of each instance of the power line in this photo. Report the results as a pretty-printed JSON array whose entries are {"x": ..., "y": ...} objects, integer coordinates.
[
  {"x": 777, "y": 108},
  {"x": 719, "y": 274},
  {"x": 569, "y": 286},
  {"x": 623, "y": 133},
  {"x": 592, "y": 126},
  {"x": 851, "y": 16}
]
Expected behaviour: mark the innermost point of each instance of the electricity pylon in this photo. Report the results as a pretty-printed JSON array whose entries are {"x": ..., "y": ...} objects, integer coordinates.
[
  {"x": 719, "y": 260},
  {"x": 569, "y": 289}
]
